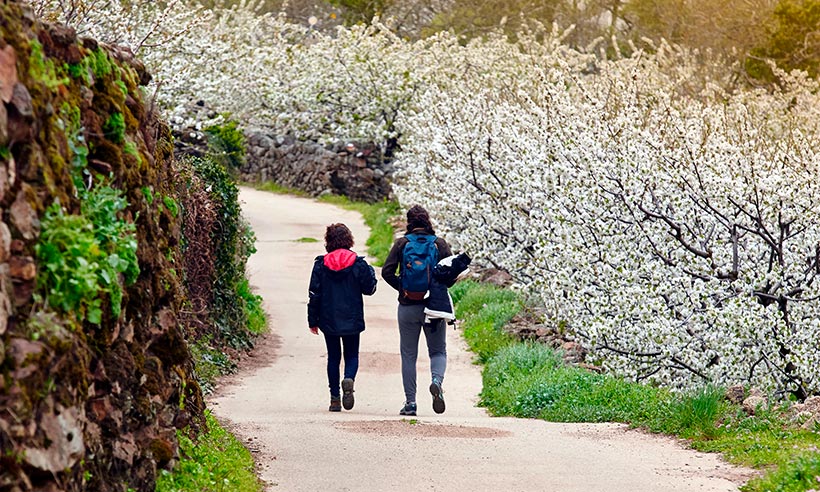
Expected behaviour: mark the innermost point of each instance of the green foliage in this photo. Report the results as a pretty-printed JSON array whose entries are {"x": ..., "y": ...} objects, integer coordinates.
[
  {"x": 490, "y": 308},
  {"x": 307, "y": 240},
  {"x": 526, "y": 379},
  {"x": 696, "y": 415},
  {"x": 210, "y": 363},
  {"x": 82, "y": 256},
  {"x": 227, "y": 144},
  {"x": 115, "y": 235},
  {"x": 114, "y": 127},
  {"x": 70, "y": 122},
  {"x": 793, "y": 44},
  {"x": 68, "y": 254},
  {"x": 148, "y": 193},
  {"x": 257, "y": 319},
  {"x": 42, "y": 69},
  {"x": 121, "y": 85},
  {"x": 216, "y": 462},
  {"x": 81, "y": 71},
  {"x": 233, "y": 240},
  {"x": 531, "y": 380},
  {"x": 171, "y": 205},
  {"x": 800, "y": 474},
  {"x": 5, "y": 152},
  {"x": 360, "y": 11},
  {"x": 100, "y": 63},
  {"x": 131, "y": 149}
]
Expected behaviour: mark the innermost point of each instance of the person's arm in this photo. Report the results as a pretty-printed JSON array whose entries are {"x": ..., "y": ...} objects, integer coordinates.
[
  {"x": 443, "y": 248},
  {"x": 391, "y": 264},
  {"x": 314, "y": 297},
  {"x": 367, "y": 278}
]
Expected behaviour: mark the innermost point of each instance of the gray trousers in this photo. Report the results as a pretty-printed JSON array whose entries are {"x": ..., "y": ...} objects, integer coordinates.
[{"x": 411, "y": 324}]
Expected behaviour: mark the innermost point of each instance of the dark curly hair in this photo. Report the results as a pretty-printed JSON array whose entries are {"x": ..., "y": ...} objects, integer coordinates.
[
  {"x": 418, "y": 218},
  {"x": 338, "y": 236}
]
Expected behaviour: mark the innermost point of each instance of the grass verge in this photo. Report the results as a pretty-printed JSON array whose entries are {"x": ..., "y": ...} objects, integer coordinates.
[
  {"x": 216, "y": 462},
  {"x": 525, "y": 379}
]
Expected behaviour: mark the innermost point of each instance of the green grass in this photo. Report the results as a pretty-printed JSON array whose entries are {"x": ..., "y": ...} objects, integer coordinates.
[
  {"x": 216, "y": 462},
  {"x": 525, "y": 379},
  {"x": 484, "y": 309},
  {"x": 801, "y": 474},
  {"x": 307, "y": 240}
]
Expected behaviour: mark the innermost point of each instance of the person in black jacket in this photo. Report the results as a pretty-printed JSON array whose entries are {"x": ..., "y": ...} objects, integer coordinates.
[
  {"x": 335, "y": 306},
  {"x": 411, "y": 318}
]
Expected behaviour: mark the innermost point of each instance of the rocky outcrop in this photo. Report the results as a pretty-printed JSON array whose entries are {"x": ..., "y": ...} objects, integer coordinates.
[
  {"x": 352, "y": 169},
  {"x": 85, "y": 405}
]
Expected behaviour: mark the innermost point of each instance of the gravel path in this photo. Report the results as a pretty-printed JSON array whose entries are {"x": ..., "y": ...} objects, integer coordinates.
[{"x": 278, "y": 403}]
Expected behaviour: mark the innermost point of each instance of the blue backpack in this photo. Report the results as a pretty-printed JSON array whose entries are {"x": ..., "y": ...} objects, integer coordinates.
[{"x": 419, "y": 257}]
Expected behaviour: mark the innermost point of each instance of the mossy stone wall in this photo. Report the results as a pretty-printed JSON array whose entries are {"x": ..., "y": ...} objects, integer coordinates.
[{"x": 85, "y": 406}]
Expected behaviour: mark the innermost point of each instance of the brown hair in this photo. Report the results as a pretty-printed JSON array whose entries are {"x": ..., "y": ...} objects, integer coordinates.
[
  {"x": 418, "y": 218},
  {"x": 338, "y": 236}
]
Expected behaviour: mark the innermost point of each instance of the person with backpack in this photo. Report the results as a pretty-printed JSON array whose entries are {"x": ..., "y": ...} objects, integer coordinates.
[
  {"x": 335, "y": 306},
  {"x": 408, "y": 269}
]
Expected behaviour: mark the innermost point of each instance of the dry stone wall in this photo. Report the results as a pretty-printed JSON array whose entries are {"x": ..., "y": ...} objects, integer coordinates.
[
  {"x": 85, "y": 405},
  {"x": 356, "y": 170}
]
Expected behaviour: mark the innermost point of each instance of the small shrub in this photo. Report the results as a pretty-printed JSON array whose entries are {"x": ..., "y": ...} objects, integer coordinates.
[
  {"x": 227, "y": 144},
  {"x": 81, "y": 257},
  {"x": 69, "y": 255},
  {"x": 232, "y": 242},
  {"x": 257, "y": 319}
]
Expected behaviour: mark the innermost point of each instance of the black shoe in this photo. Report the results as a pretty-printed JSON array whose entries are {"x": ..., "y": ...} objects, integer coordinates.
[
  {"x": 347, "y": 393},
  {"x": 335, "y": 404},
  {"x": 438, "y": 396},
  {"x": 409, "y": 408}
]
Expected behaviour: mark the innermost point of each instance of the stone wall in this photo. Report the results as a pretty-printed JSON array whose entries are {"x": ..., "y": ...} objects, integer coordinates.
[
  {"x": 352, "y": 169},
  {"x": 85, "y": 405}
]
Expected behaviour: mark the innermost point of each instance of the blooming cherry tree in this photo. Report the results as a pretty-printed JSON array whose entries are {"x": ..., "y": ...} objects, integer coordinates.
[{"x": 668, "y": 223}]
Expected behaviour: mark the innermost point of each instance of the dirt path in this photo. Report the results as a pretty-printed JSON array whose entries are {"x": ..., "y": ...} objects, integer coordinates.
[{"x": 279, "y": 406}]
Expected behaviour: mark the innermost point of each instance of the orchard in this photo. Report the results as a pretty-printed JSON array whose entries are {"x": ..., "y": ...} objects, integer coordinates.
[{"x": 667, "y": 216}]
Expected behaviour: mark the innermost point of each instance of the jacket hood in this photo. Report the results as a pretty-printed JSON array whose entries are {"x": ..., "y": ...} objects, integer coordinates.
[{"x": 339, "y": 259}]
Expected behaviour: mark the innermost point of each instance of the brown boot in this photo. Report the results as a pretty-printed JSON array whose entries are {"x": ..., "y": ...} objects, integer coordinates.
[
  {"x": 335, "y": 404},
  {"x": 347, "y": 393}
]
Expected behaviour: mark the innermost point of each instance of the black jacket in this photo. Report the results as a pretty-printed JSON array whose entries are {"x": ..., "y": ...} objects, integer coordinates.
[
  {"x": 439, "y": 304},
  {"x": 337, "y": 283},
  {"x": 390, "y": 271}
]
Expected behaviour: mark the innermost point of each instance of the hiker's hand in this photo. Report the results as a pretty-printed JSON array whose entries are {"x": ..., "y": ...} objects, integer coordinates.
[{"x": 314, "y": 330}]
